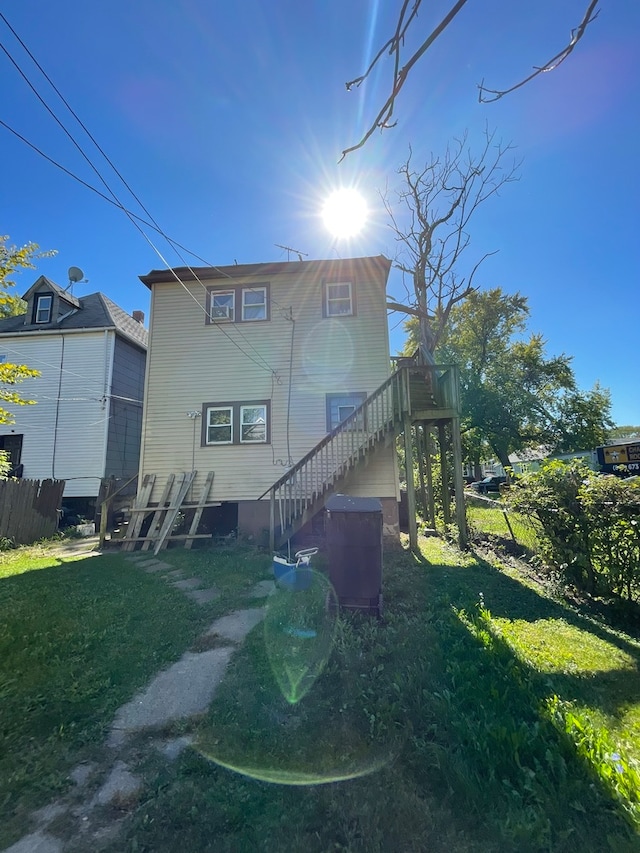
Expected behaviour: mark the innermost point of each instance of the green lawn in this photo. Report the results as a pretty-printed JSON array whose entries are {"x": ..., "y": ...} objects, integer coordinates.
[
  {"x": 491, "y": 520},
  {"x": 480, "y": 715}
]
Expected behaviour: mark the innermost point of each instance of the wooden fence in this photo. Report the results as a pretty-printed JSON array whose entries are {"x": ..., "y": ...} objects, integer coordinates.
[{"x": 29, "y": 509}]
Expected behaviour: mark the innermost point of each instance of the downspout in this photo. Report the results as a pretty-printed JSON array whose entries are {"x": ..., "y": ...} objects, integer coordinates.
[
  {"x": 106, "y": 397},
  {"x": 55, "y": 425}
]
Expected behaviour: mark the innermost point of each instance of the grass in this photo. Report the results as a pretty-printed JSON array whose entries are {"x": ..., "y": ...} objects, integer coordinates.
[
  {"x": 480, "y": 715},
  {"x": 491, "y": 521},
  {"x": 77, "y": 639},
  {"x": 454, "y": 738}
]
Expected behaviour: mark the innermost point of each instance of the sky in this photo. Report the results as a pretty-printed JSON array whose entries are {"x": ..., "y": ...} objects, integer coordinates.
[{"x": 228, "y": 121}]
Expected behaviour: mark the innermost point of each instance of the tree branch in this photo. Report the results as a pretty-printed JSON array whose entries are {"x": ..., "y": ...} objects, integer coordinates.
[
  {"x": 400, "y": 74},
  {"x": 590, "y": 15}
]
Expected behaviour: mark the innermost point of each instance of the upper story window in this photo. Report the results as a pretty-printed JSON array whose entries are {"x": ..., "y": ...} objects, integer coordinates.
[
  {"x": 338, "y": 299},
  {"x": 238, "y": 304},
  {"x": 42, "y": 308},
  {"x": 254, "y": 303},
  {"x": 223, "y": 305}
]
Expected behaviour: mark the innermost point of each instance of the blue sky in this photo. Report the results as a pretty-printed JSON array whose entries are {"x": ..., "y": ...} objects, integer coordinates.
[{"x": 228, "y": 121}]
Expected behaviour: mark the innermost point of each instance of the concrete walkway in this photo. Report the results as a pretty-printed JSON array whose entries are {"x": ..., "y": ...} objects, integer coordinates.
[{"x": 183, "y": 690}]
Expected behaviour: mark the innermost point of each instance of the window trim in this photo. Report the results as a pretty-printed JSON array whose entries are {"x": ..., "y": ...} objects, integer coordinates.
[
  {"x": 263, "y": 304},
  {"x": 236, "y": 407},
  {"x": 238, "y": 291},
  {"x": 326, "y": 285},
  {"x": 41, "y": 297},
  {"x": 244, "y": 406},
  {"x": 356, "y": 395},
  {"x": 220, "y": 292},
  {"x": 208, "y": 426}
]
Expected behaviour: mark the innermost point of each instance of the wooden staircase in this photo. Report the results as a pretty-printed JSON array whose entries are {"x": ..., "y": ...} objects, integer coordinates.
[{"x": 413, "y": 392}]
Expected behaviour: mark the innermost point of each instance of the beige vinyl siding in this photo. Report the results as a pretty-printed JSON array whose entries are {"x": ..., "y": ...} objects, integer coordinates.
[
  {"x": 71, "y": 390},
  {"x": 191, "y": 362}
]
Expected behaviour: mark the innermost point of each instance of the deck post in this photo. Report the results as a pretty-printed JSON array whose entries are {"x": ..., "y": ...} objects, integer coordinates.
[
  {"x": 428, "y": 449},
  {"x": 272, "y": 520},
  {"x": 458, "y": 483},
  {"x": 411, "y": 490},
  {"x": 421, "y": 454},
  {"x": 444, "y": 473}
]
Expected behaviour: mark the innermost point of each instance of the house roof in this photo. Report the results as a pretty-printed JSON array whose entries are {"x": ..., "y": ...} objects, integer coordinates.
[
  {"x": 43, "y": 281},
  {"x": 95, "y": 311},
  {"x": 321, "y": 268}
]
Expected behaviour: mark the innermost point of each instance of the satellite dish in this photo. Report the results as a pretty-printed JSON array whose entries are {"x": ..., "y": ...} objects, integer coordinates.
[{"x": 75, "y": 274}]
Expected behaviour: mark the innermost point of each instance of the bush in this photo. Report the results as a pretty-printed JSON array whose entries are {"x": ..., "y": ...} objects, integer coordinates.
[
  {"x": 551, "y": 497},
  {"x": 612, "y": 509},
  {"x": 590, "y": 525}
]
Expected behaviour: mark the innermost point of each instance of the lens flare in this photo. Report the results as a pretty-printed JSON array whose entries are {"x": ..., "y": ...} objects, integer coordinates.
[{"x": 345, "y": 213}]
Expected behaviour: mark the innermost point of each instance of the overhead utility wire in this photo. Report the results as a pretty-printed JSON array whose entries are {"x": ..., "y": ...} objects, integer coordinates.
[
  {"x": 95, "y": 189},
  {"x": 153, "y": 224},
  {"x": 119, "y": 204}
]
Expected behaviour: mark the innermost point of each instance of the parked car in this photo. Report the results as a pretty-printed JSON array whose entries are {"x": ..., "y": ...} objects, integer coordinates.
[{"x": 489, "y": 484}]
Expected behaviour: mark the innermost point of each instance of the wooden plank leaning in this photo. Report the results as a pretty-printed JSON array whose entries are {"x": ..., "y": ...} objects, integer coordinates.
[
  {"x": 160, "y": 513},
  {"x": 142, "y": 501},
  {"x": 173, "y": 509},
  {"x": 193, "y": 529}
]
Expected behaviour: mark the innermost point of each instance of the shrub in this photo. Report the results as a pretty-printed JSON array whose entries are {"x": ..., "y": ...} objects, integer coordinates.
[
  {"x": 612, "y": 509},
  {"x": 551, "y": 497},
  {"x": 589, "y": 525}
]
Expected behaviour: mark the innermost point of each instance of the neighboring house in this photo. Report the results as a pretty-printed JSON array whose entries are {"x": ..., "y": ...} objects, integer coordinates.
[
  {"x": 250, "y": 367},
  {"x": 86, "y": 423}
]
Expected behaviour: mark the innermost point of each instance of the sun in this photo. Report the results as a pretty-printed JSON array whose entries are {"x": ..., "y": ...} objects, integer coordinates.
[{"x": 345, "y": 213}]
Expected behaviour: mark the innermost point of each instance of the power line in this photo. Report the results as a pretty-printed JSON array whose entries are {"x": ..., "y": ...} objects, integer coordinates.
[{"x": 132, "y": 217}]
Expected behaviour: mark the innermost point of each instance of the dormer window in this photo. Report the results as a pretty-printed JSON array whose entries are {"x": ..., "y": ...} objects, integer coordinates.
[{"x": 43, "y": 306}]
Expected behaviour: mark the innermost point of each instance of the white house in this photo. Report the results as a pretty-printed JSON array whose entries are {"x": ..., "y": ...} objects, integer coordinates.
[
  {"x": 252, "y": 367},
  {"x": 86, "y": 423}
]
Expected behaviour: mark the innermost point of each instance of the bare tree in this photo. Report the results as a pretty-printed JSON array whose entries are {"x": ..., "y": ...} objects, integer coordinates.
[
  {"x": 429, "y": 217},
  {"x": 394, "y": 45}
]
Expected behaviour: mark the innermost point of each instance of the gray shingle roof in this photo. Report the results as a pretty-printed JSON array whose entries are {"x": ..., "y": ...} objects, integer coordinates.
[{"x": 96, "y": 311}]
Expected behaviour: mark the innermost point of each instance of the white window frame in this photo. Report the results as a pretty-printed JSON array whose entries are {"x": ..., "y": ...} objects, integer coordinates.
[
  {"x": 211, "y": 426},
  {"x": 243, "y": 424},
  {"x": 43, "y": 298},
  {"x": 262, "y": 304},
  {"x": 231, "y": 310},
  {"x": 338, "y": 300}
]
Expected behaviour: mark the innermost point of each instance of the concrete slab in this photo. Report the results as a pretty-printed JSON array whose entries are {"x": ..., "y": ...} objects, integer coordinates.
[
  {"x": 262, "y": 589},
  {"x": 236, "y": 626},
  {"x": 152, "y": 566},
  {"x": 46, "y": 814},
  {"x": 82, "y": 773},
  {"x": 176, "y": 573},
  {"x": 121, "y": 786},
  {"x": 203, "y": 596},
  {"x": 37, "y": 842},
  {"x": 188, "y": 583},
  {"x": 183, "y": 690}
]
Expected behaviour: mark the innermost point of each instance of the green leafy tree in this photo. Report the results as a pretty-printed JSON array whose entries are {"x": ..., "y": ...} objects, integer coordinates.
[
  {"x": 513, "y": 395},
  {"x": 14, "y": 259}
]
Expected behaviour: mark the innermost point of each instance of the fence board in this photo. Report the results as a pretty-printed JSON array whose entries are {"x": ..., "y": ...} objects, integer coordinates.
[{"x": 29, "y": 509}]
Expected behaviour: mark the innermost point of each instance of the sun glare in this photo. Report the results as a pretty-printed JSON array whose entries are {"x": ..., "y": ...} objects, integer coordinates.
[{"x": 345, "y": 213}]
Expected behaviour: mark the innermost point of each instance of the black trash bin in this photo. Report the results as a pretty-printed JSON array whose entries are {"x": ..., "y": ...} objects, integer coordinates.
[{"x": 354, "y": 546}]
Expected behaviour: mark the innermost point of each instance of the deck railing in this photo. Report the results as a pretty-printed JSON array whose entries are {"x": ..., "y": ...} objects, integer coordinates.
[{"x": 301, "y": 491}]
